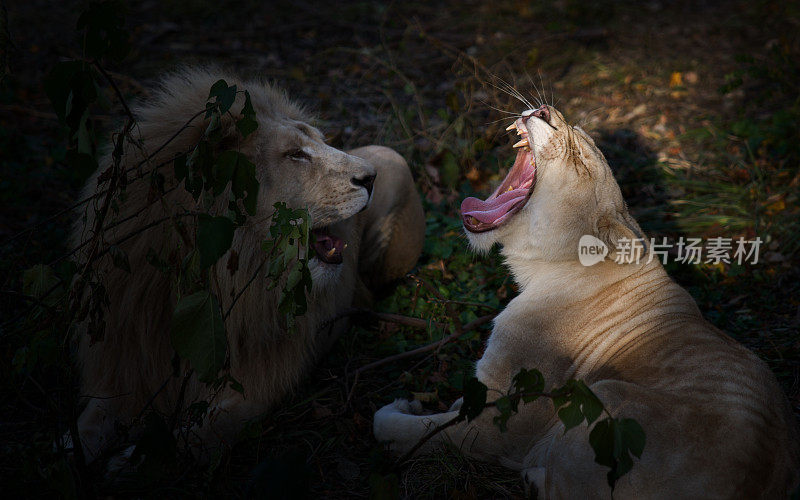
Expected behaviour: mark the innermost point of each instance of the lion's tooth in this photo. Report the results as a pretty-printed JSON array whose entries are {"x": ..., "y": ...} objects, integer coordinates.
[
  {"x": 523, "y": 142},
  {"x": 331, "y": 252},
  {"x": 345, "y": 246},
  {"x": 512, "y": 126}
]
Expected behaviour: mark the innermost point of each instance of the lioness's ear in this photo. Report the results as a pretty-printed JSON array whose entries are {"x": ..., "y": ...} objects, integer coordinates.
[{"x": 625, "y": 241}]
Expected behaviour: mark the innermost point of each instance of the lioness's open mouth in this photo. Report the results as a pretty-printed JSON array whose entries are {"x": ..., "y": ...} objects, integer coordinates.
[
  {"x": 328, "y": 247},
  {"x": 515, "y": 190}
]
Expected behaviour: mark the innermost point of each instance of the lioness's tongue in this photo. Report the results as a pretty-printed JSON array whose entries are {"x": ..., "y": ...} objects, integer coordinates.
[
  {"x": 500, "y": 203},
  {"x": 491, "y": 210}
]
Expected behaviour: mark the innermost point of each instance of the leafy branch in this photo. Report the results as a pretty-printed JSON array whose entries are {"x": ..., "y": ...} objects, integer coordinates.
[
  {"x": 615, "y": 441},
  {"x": 68, "y": 296}
]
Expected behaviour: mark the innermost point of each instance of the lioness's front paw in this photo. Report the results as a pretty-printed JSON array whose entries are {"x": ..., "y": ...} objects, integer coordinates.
[
  {"x": 403, "y": 406},
  {"x": 387, "y": 423},
  {"x": 121, "y": 464}
]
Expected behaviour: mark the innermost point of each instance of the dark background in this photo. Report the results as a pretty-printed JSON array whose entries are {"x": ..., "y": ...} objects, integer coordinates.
[{"x": 695, "y": 105}]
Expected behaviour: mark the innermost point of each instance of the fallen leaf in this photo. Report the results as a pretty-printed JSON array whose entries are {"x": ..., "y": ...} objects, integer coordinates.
[
  {"x": 426, "y": 397},
  {"x": 473, "y": 174},
  {"x": 777, "y": 207}
]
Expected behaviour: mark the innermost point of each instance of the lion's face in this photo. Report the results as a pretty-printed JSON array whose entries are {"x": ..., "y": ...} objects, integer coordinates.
[
  {"x": 295, "y": 166},
  {"x": 559, "y": 189}
]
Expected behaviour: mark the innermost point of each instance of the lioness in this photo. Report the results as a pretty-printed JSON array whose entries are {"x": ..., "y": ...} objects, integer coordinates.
[
  {"x": 716, "y": 421},
  {"x": 369, "y": 228}
]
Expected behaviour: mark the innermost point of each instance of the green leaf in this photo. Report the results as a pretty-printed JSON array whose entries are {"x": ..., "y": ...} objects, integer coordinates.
[
  {"x": 570, "y": 416},
  {"x": 70, "y": 86},
  {"x": 247, "y": 124},
  {"x": 450, "y": 171},
  {"x": 614, "y": 441},
  {"x": 198, "y": 334},
  {"x": 224, "y": 168},
  {"x": 120, "y": 258},
  {"x": 474, "y": 398},
  {"x": 581, "y": 404},
  {"x": 244, "y": 184},
  {"x": 181, "y": 170},
  {"x": 214, "y": 238},
  {"x": 507, "y": 408},
  {"x": 224, "y": 94},
  {"x": 529, "y": 381},
  {"x": 38, "y": 280},
  {"x": 214, "y": 129}
]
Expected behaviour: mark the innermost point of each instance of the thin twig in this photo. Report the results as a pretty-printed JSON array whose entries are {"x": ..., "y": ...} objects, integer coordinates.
[
  {"x": 430, "y": 347},
  {"x": 460, "y": 417},
  {"x": 452, "y": 313},
  {"x": 246, "y": 286},
  {"x": 427, "y": 437}
]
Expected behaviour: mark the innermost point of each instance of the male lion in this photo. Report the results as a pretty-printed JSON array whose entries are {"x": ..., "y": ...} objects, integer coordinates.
[
  {"x": 717, "y": 424},
  {"x": 359, "y": 242}
]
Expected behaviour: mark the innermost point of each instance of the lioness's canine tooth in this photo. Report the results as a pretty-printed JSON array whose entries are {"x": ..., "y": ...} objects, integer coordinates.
[
  {"x": 523, "y": 142},
  {"x": 331, "y": 252},
  {"x": 512, "y": 126}
]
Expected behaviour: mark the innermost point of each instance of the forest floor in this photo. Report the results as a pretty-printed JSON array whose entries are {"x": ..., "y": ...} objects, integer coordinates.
[{"x": 695, "y": 107}]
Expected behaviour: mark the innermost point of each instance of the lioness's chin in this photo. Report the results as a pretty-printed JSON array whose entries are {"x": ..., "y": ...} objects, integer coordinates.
[{"x": 482, "y": 242}]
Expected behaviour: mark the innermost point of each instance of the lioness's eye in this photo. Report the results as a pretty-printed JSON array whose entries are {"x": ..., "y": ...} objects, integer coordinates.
[{"x": 298, "y": 155}]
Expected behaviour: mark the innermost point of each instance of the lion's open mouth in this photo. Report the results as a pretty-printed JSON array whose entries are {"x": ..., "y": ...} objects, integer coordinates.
[
  {"x": 328, "y": 247},
  {"x": 515, "y": 190}
]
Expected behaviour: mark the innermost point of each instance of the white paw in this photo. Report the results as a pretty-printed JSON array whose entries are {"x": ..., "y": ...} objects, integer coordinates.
[
  {"x": 387, "y": 420},
  {"x": 65, "y": 443},
  {"x": 403, "y": 406},
  {"x": 533, "y": 479},
  {"x": 121, "y": 463}
]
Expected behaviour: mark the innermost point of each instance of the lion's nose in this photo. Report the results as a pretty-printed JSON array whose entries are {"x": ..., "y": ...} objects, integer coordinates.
[{"x": 366, "y": 182}]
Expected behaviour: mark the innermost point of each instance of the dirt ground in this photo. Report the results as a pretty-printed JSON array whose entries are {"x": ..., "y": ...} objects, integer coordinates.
[{"x": 674, "y": 92}]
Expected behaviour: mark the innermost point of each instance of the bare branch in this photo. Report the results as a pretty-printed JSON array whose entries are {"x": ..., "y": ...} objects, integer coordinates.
[{"x": 430, "y": 347}]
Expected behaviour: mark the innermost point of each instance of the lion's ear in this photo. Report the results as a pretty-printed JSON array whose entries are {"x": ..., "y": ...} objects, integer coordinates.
[{"x": 625, "y": 241}]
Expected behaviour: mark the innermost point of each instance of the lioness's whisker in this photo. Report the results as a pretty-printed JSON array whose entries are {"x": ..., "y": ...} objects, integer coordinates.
[
  {"x": 510, "y": 90},
  {"x": 539, "y": 100},
  {"x": 500, "y": 110}
]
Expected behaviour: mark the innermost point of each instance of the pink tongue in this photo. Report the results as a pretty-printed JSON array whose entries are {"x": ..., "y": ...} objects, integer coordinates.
[{"x": 491, "y": 210}]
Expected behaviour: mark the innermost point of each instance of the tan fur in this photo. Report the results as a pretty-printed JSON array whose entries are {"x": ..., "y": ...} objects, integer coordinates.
[
  {"x": 128, "y": 366},
  {"x": 717, "y": 423}
]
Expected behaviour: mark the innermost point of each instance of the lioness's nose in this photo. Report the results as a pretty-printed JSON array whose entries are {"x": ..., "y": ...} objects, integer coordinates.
[
  {"x": 366, "y": 182},
  {"x": 542, "y": 113}
]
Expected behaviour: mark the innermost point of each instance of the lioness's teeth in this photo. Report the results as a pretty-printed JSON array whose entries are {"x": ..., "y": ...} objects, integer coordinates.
[
  {"x": 512, "y": 126},
  {"x": 523, "y": 142},
  {"x": 473, "y": 220},
  {"x": 331, "y": 252},
  {"x": 345, "y": 245}
]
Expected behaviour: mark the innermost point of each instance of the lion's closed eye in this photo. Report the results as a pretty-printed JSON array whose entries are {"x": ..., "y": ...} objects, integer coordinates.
[{"x": 298, "y": 154}]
